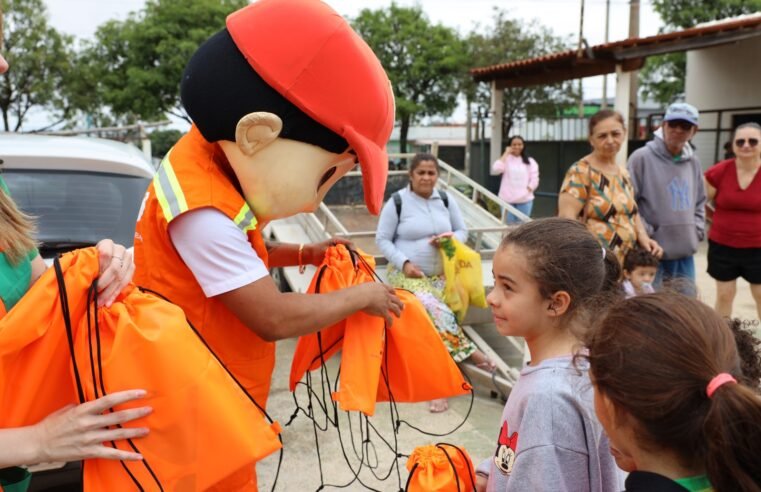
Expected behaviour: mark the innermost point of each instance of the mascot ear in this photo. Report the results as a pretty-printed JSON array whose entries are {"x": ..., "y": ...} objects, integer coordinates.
[{"x": 257, "y": 130}]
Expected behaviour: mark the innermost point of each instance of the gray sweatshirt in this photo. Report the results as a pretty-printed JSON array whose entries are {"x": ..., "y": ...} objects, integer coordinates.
[
  {"x": 550, "y": 439},
  {"x": 670, "y": 197}
]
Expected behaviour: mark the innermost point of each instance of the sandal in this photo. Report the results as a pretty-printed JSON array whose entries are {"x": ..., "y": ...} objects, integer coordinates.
[{"x": 438, "y": 406}]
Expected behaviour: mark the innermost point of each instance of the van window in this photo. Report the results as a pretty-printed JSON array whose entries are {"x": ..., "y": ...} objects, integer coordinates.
[{"x": 77, "y": 209}]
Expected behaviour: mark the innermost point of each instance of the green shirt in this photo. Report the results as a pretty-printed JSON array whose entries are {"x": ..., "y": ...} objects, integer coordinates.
[
  {"x": 14, "y": 279},
  {"x": 696, "y": 484}
]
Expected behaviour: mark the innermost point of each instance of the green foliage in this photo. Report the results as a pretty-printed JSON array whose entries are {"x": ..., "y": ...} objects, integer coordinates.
[
  {"x": 663, "y": 76},
  {"x": 162, "y": 141},
  {"x": 423, "y": 61},
  {"x": 132, "y": 69},
  {"x": 39, "y": 58},
  {"x": 447, "y": 245},
  {"x": 688, "y": 13},
  {"x": 508, "y": 40}
]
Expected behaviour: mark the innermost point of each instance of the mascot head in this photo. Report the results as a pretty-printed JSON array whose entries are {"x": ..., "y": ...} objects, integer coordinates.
[{"x": 295, "y": 99}]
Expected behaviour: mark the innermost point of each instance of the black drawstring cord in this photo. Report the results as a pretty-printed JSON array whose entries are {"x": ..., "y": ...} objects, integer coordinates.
[
  {"x": 367, "y": 451},
  {"x": 67, "y": 322},
  {"x": 62, "y": 294},
  {"x": 92, "y": 311}
]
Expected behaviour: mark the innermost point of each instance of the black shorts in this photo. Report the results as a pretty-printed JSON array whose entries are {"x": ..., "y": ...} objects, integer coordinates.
[{"x": 726, "y": 263}]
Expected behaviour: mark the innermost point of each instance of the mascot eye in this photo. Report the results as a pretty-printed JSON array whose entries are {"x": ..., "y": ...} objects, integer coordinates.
[{"x": 325, "y": 177}]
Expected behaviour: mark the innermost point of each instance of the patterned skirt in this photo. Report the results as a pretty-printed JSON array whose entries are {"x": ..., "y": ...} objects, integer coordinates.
[{"x": 430, "y": 292}]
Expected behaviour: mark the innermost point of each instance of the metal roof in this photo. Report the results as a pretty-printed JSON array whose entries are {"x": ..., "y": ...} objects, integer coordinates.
[{"x": 603, "y": 58}]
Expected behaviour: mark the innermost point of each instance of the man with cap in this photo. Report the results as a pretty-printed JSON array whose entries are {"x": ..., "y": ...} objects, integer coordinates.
[
  {"x": 668, "y": 182},
  {"x": 284, "y": 101}
]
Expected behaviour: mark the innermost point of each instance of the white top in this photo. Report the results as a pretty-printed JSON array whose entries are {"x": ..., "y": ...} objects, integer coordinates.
[{"x": 223, "y": 260}]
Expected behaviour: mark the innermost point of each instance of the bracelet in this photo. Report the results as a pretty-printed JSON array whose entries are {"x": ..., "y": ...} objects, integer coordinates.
[{"x": 302, "y": 266}]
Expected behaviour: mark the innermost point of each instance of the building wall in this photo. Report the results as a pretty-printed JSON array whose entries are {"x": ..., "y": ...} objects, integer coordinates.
[{"x": 722, "y": 78}]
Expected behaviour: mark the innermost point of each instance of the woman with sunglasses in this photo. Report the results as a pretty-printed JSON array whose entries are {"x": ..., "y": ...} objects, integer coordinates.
[{"x": 734, "y": 242}]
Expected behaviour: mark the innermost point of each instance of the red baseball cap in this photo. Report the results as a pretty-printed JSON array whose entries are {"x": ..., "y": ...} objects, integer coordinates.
[{"x": 308, "y": 53}]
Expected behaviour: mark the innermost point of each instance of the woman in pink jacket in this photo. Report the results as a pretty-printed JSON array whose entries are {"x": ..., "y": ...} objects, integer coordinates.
[{"x": 520, "y": 177}]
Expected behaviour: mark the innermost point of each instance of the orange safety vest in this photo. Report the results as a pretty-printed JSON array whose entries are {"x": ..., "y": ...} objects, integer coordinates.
[
  {"x": 57, "y": 350},
  {"x": 190, "y": 177}
]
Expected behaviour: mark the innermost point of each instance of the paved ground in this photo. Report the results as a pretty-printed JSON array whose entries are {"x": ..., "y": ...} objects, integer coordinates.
[{"x": 299, "y": 470}]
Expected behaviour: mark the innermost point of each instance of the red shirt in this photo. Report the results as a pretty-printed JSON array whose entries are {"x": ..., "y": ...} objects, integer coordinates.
[{"x": 737, "y": 220}]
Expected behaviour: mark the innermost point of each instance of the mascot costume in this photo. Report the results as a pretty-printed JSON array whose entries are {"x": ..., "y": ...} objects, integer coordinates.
[{"x": 284, "y": 101}]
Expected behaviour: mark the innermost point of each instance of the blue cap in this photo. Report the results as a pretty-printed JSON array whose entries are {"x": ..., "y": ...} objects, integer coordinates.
[{"x": 682, "y": 111}]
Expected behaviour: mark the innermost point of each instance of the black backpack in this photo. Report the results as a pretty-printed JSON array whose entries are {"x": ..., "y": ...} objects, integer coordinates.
[{"x": 398, "y": 201}]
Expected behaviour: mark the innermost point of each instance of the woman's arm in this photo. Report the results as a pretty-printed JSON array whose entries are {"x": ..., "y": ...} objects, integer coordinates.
[
  {"x": 569, "y": 207},
  {"x": 533, "y": 180},
  {"x": 710, "y": 189},
  {"x": 75, "y": 433},
  {"x": 644, "y": 239},
  {"x": 385, "y": 234},
  {"x": 38, "y": 268},
  {"x": 498, "y": 166}
]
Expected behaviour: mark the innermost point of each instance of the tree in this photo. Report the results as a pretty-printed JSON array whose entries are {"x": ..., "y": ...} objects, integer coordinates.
[
  {"x": 132, "y": 69},
  {"x": 162, "y": 141},
  {"x": 39, "y": 57},
  {"x": 423, "y": 61},
  {"x": 662, "y": 77},
  {"x": 508, "y": 40}
]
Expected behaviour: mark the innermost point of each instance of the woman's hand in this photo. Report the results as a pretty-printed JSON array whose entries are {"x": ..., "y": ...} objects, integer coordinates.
[
  {"x": 410, "y": 270},
  {"x": 436, "y": 240},
  {"x": 115, "y": 271},
  {"x": 381, "y": 301},
  {"x": 651, "y": 245},
  {"x": 75, "y": 433},
  {"x": 317, "y": 251}
]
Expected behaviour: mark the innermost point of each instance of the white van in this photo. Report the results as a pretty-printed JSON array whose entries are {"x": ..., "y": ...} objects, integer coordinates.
[{"x": 80, "y": 189}]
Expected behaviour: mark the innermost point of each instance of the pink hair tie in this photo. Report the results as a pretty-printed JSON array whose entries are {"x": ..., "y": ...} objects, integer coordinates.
[{"x": 717, "y": 381}]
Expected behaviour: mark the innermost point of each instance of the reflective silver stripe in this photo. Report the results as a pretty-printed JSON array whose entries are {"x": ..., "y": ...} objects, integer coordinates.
[
  {"x": 168, "y": 190},
  {"x": 245, "y": 219}
]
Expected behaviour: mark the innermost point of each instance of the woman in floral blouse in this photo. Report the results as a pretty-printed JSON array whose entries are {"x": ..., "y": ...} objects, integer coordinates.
[{"x": 599, "y": 192}]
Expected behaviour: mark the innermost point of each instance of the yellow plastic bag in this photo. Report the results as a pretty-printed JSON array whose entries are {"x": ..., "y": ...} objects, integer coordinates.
[{"x": 464, "y": 280}]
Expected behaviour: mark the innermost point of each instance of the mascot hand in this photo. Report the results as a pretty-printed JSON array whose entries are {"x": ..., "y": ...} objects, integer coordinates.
[{"x": 317, "y": 250}]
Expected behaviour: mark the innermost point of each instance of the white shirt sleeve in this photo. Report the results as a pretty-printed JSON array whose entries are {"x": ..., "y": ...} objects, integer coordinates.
[{"x": 216, "y": 251}]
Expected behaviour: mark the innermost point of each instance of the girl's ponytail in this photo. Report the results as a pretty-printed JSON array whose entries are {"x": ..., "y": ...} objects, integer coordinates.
[{"x": 732, "y": 430}]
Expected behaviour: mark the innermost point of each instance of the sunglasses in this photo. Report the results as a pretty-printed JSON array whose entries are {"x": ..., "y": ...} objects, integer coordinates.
[
  {"x": 684, "y": 125},
  {"x": 752, "y": 142}
]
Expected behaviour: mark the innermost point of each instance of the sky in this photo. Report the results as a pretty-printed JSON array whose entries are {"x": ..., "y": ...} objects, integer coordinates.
[{"x": 81, "y": 17}]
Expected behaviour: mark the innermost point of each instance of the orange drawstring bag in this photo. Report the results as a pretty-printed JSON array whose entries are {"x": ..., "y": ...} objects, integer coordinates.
[
  {"x": 416, "y": 363},
  {"x": 369, "y": 349},
  {"x": 336, "y": 272},
  {"x": 440, "y": 467},
  {"x": 203, "y": 428},
  {"x": 360, "y": 332}
]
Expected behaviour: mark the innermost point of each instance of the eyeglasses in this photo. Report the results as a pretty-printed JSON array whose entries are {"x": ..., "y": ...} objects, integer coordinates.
[
  {"x": 684, "y": 125},
  {"x": 752, "y": 142}
]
